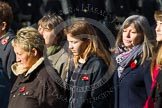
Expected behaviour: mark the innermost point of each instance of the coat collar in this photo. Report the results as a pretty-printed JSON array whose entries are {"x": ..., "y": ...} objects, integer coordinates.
[
  {"x": 55, "y": 57},
  {"x": 18, "y": 69}
]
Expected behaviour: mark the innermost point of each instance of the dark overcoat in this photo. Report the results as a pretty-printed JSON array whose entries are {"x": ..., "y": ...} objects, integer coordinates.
[{"x": 133, "y": 87}]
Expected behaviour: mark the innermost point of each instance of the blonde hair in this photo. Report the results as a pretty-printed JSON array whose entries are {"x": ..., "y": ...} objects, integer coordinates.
[
  {"x": 83, "y": 30},
  {"x": 157, "y": 58},
  {"x": 29, "y": 38}
]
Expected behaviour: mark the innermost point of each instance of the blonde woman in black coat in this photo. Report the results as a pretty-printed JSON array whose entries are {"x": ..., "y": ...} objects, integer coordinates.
[{"x": 36, "y": 85}]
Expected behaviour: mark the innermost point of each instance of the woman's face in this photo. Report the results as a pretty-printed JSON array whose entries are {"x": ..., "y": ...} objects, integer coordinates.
[
  {"x": 130, "y": 37},
  {"x": 76, "y": 45},
  {"x": 26, "y": 59},
  {"x": 159, "y": 31}
]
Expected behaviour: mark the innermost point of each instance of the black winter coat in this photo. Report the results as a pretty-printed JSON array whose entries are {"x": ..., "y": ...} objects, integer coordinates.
[
  {"x": 40, "y": 88},
  {"x": 90, "y": 85},
  {"x": 133, "y": 87}
]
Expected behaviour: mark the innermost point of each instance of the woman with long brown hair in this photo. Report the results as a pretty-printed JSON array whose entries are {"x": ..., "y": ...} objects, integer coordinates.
[{"x": 89, "y": 70}]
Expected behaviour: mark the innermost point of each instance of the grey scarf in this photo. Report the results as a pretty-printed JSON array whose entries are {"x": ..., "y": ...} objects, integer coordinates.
[{"x": 124, "y": 58}]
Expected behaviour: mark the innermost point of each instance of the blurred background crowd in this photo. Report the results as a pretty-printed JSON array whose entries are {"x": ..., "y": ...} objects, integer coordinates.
[{"x": 110, "y": 12}]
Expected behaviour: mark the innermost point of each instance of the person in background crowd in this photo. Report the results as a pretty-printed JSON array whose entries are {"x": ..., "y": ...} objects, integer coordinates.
[
  {"x": 7, "y": 55},
  {"x": 29, "y": 11},
  {"x": 35, "y": 86},
  {"x": 89, "y": 64},
  {"x": 132, "y": 79},
  {"x": 57, "y": 55},
  {"x": 155, "y": 100},
  {"x": 16, "y": 24}
]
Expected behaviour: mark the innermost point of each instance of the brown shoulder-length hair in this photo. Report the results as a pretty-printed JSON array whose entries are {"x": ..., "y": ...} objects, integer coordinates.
[
  {"x": 142, "y": 26},
  {"x": 83, "y": 30}
]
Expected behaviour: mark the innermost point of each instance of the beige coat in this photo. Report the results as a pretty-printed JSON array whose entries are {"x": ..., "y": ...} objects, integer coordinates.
[{"x": 58, "y": 61}]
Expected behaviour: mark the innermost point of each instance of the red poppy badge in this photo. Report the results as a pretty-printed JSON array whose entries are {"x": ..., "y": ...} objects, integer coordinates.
[
  {"x": 22, "y": 89},
  {"x": 4, "y": 40},
  {"x": 85, "y": 77},
  {"x": 133, "y": 64}
]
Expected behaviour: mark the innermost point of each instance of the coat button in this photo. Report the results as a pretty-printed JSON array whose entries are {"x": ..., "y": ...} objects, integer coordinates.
[{"x": 27, "y": 92}]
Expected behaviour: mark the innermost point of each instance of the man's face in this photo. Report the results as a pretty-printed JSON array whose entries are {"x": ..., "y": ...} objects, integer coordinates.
[{"x": 48, "y": 35}]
